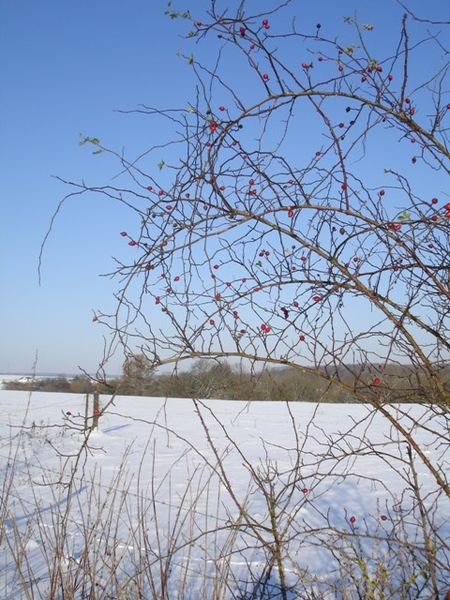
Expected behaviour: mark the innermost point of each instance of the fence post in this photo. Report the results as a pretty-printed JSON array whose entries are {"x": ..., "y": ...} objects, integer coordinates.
[
  {"x": 86, "y": 412},
  {"x": 96, "y": 415}
]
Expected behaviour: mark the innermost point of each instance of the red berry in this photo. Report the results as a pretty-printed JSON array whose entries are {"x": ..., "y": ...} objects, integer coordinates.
[
  {"x": 212, "y": 322},
  {"x": 213, "y": 126},
  {"x": 434, "y": 200},
  {"x": 251, "y": 181},
  {"x": 242, "y": 331},
  {"x": 199, "y": 23},
  {"x": 317, "y": 298},
  {"x": 341, "y": 68},
  {"x": 252, "y": 46},
  {"x": 222, "y": 108},
  {"x": 295, "y": 304},
  {"x": 305, "y": 490},
  {"x": 68, "y": 413},
  {"x": 434, "y": 218},
  {"x": 318, "y": 153},
  {"x": 344, "y": 186},
  {"x": 215, "y": 266},
  {"x": 94, "y": 318},
  {"x": 382, "y": 192},
  {"x": 217, "y": 296},
  {"x": 394, "y": 226},
  {"x": 363, "y": 78},
  {"x": 123, "y": 233},
  {"x": 352, "y": 519},
  {"x": 390, "y": 77},
  {"x": 176, "y": 278},
  {"x": 414, "y": 160},
  {"x": 96, "y": 411},
  {"x": 320, "y": 59},
  {"x": 222, "y": 188},
  {"x": 407, "y": 101},
  {"x": 376, "y": 381},
  {"x": 265, "y": 77},
  {"x": 160, "y": 193},
  {"x": 302, "y": 338},
  {"x": 290, "y": 213},
  {"x": 265, "y": 22},
  {"x": 157, "y": 300},
  {"x": 169, "y": 207},
  {"x": 341, "y": 125},
  {"x": 383, "y": 517},
  {"x": 132, "y": 243},
  {"x": 379, "y": 68},
  {"x": 305, "y": 65},
  {"x": 242, "y": 31}
]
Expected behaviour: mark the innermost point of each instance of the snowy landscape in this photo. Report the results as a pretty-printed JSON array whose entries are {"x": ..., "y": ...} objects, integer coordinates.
[{"x": 176, "y": 498}]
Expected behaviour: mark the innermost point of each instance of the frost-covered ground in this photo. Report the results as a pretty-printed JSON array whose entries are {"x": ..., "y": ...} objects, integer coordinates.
[{"x": 173, "y": 495}]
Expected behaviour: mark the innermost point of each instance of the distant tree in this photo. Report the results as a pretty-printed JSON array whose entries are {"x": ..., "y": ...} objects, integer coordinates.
[{"x": 138, "y": 373}]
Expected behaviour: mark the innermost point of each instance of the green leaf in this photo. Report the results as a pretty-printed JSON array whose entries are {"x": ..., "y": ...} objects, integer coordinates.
[
  {"x": 368, "y": 26},
  {"x": 191, "y": 60},
  {"x": 161, "y": 164}
]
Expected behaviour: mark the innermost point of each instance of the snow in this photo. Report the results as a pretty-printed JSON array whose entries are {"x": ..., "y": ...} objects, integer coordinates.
[{"x": 165, "y": 491}]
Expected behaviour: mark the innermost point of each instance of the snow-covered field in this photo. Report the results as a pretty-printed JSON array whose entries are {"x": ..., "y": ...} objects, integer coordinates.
[{"x": 219, "y": 499}]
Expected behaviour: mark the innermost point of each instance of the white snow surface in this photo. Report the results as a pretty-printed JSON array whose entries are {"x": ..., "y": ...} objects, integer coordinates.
[{"x": 168, "y": 477}]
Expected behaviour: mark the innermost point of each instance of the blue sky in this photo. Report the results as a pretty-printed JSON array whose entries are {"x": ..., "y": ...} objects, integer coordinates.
[{"x": 66, "y": 67}]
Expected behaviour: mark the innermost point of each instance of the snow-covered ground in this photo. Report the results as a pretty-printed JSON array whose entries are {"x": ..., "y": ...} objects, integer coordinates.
[{"x": 186, "y": 496}]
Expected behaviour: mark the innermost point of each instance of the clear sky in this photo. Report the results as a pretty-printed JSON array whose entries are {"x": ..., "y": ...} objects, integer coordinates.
[{"x": 65, "y": 69}]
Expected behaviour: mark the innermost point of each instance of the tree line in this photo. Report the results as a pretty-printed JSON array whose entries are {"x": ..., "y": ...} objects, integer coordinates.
[{"x": 220, "y": 379}]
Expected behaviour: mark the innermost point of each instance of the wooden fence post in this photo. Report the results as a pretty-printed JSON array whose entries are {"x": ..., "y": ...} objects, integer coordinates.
[
  {"x": 86, "y": 412},
  {"x": 96, "y": 415}
]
